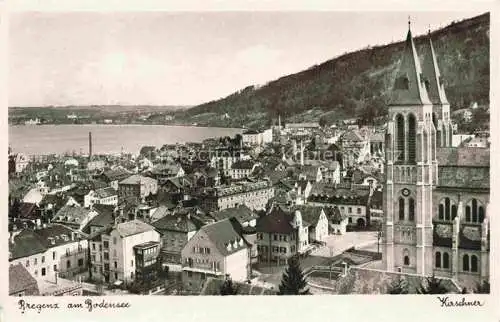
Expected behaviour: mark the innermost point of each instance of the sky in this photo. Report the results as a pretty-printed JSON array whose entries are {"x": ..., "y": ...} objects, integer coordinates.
[{"x": 183, "y": 58}]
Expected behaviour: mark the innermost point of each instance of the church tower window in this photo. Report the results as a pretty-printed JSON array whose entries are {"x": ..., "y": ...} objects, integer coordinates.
[
  {"x": 400, "y": 132},
  {"x": 441, "y": 212},
  {"x": 467, "y": 214},
  {"x": 411, "y": 208},
  {"x": 447, "y": 209},
  {"x": 406, "y": 258},
  {"x": 474, "y": 212},
  {"x": 481, "y": 214},
  {"x": 412, "y": 133},
  {"x": 401, "y": 209}
]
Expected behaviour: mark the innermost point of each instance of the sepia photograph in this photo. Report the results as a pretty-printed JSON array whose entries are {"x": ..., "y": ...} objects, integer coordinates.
[{"x": 248, "y": 153}]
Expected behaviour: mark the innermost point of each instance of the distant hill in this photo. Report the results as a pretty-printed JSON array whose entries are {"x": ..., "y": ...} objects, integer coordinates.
[{"x": 357, "y": 84}]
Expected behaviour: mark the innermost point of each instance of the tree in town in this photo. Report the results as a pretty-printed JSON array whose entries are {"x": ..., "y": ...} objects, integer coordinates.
[
  {"x": 432, "y": 285},
  {"x": 483, "y": 288},
  {"x": 293, "y": 281},
  {"x": 399, "y": 286},
  {"x": 228, "y": 287}
]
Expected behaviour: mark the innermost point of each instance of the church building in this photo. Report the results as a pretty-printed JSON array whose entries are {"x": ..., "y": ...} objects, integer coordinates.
[{"x": 435, "y": 196}]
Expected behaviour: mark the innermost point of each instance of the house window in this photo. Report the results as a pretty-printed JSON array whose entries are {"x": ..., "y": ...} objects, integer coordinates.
[
  {"x": 55, "y": 268},
  {"x": 132, "y": 263},
  {"x": 275, "y": 237},
  {"x": 53, "y": 255},
  {"x": 359, "y": 210},
  {"x": 465, "y": 263},
  {"x": 105, "y": 244},
  {"x": 207, "y": 250},
  {"x": 473, "y": 263},
  {"x": 68, "y": 264},
  {"x": 93, "y": 246},
  {"x": 80, "y": 262},
  {"x": 106, "y": 256},
  {"x": 285, "y": 238},
  {"x": 190, "y": 274},
  {"x": 43, "y": 259},
  {"x": 93, "y": 258},
  {"x": 116, "y": 276},
  {"x": 438, "y": 260},
  {"x": 43, "y": 271},
  {"x": 35, "y": 261},
  {"x": 350, "y": 210},
  {"x": 446, "y": 260}
]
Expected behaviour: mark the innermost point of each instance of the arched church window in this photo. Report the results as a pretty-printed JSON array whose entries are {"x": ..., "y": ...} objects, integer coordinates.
[
  {"x": 441, "y": 212},
  {"x": 401, "y": 209},
  {"x": 411, "y": 209},
  {"x": 400, "y": 132},
  {"x": 473, "y": 263},
  {"x": 467, "y": 214},
  {"x": 453, "y": 212},
  {"x": 434, "y": 120},
  {"x": 465, "y": 263},
  {"x": 438, "y": 260},
  {"x": 447, "y": 213},
  {"x": 406, "y": 257},
  {"x": 481, "y": 214},
  {"x": 474, "y": 210},
  {"x": 446, "y": 260},
  {"x": 412, "y": 133}
]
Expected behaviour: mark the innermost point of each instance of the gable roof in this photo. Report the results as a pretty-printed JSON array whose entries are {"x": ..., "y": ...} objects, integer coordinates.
[
  {"x": 225, "y": 235},
  {"x": 242, "y": 213},
  {"x": 132, "y": 227},
  {"x": 176, "y": 222},
  {"x": 137, "y": 179},
  {"x": 310, "y": 214},
  {"x": 20, "y": 279},
  {"x": 71, "y": 214},
  {"x": 118, "y": 173},
  {"x": 277, "y": 221},
  {"x": 106, "y": 192},
  {"x": 464, "y": 177}
]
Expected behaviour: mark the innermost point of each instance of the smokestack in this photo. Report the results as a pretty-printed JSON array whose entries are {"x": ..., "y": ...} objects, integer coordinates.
[{"x": 90, "y": 145}]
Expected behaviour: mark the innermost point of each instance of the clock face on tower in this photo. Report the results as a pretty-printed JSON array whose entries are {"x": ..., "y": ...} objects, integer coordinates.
[{"x": 406, "y": 192}]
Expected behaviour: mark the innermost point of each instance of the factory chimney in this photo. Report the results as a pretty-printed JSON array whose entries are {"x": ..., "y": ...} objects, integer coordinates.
[{"x": 90, "y": 146}]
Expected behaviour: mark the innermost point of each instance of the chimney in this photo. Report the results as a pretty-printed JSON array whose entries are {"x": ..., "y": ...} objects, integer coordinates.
[{"x": 90, "y": 146}]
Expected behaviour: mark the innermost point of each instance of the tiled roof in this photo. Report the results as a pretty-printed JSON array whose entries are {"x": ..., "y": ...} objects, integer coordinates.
[
  {"x": 118, "y": 173},
  {"x": 160, "y": 212},
  {"x": 243, "y": 164},
  {"x": 102, "y": 220},
  {"x": 27, "y": 210},
  {"x": 132, "y": 227},
  {"x": 29, "y": 242},
  {"x": 242, "y": 213},
  {"x": 463, "y": 156},
  {"x": 178, "y": 222},
  {"x": 442, "y": 235},
  {"x": 278, "y": 221},
  {"x": 137, "y": 179},
  {"x": 71, "y": 214},
  {"x": 352, "y": 136},
  {"x": 20, "y": 279},
  {"x": 464, "y": 177},
  {"x": 106, "y": 192},
  {"x": 225, "y": 235},
  {"x": 310, "y": 214}
]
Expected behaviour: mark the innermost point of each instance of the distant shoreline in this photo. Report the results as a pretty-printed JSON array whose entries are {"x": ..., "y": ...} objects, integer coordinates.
[{"x": 125, "y": 124}]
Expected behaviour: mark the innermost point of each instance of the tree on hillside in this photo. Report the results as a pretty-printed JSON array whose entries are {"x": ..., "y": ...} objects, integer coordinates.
[
  {"x": 432, "y": 285},
  {"x": 483, "y": 288},
  {"x": 399, "y": 286},
  {"x": 293, "y": 281},
  {"x": 228, "y": 287}
]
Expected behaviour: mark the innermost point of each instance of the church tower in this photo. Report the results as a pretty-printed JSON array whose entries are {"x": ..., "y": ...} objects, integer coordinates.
[
  {"x": 435, "y": 88},
  {"x": 410, "y": 170}
]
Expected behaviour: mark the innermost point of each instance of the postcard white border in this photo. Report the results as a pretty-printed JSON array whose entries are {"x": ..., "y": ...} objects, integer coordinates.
[{"x": 260, "y": 308}]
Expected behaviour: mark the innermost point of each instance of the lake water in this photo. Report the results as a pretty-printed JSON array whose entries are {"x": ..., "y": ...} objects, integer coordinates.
[{"x": 59, "y": 139}]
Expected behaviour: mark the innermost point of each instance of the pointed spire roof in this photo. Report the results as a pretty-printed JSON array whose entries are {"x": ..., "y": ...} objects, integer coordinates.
[
  {"x": 409, "y": 87},
  {"x": 435, "y": 86}
]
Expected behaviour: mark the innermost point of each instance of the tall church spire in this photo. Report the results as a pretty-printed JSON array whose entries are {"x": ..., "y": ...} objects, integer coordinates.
[
  {"x": 433, "y": 79},
  {"x": 409, "y": 88}
]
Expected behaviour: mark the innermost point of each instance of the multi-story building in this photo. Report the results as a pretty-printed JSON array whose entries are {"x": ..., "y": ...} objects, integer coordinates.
[
  {"x": 74, "y": 216},
  {"x": 103, "y": 196},
  {"x": 137, "y": 186},
  {"x": 242, "y": 169},
  {"x": 216, "y": 250},
  {"x": 280, "y": 235},
  {"x": 175, "y": 230},
  {"x": 112, "y": 250},
  {"x": 50, "y": 251},
  {"x": 254, "y": 195},
  {"x": 435, "y": 196}
]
